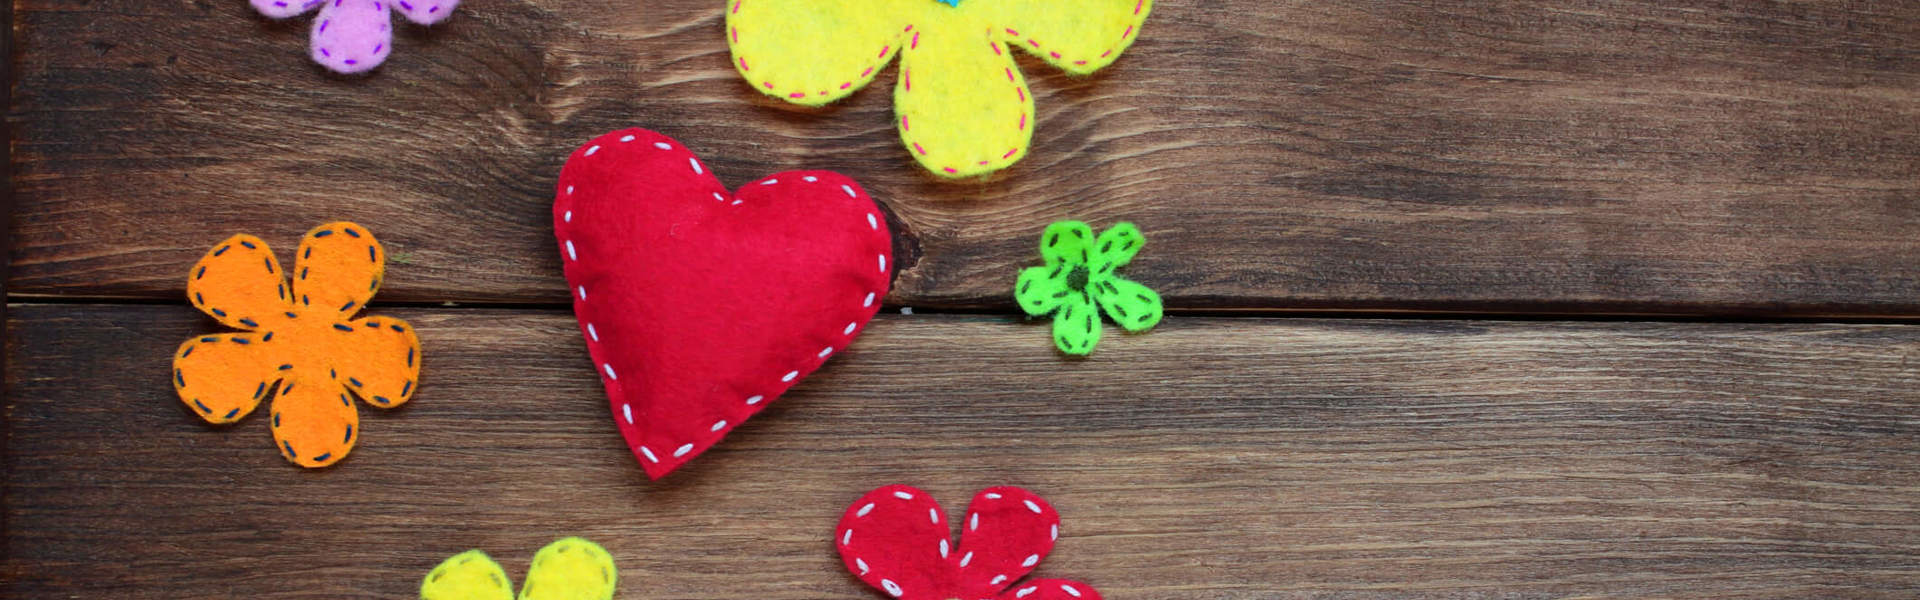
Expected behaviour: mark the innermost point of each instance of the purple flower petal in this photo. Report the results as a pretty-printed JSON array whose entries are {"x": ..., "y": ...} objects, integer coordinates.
[
  {"x": 352, "y": 36},
  {"x": 426, "y": 12},
  {"x": 281, "y": 9}
]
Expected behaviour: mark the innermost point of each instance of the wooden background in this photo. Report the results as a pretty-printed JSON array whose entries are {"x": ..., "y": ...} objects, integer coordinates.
[{"x": 1602, "y": 299}]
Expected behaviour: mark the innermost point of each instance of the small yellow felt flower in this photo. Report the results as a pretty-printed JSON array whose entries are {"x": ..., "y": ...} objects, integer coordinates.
[
  {"x": 299, "y": 338},
  {"x": 568, "y": 569},
  {"x": 962, "y": 105}
]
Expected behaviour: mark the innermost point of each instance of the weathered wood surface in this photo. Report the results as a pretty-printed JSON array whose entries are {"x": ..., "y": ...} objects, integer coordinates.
[
  {"x": 1720, "y": 157},
  {"x": 1214, "y": 458}
]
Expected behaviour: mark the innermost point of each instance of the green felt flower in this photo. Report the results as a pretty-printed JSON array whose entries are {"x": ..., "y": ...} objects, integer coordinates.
[{"x": 1078, "y": 282}]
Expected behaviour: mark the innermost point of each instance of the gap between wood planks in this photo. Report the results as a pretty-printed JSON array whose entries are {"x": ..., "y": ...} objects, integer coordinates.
[{"x": 1263, "y": 313}]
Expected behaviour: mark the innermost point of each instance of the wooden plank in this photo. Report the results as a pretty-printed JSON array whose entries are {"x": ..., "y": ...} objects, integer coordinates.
[
  {"x": 1562, "y": 156},
  {"x": 1219, "y": 458}
]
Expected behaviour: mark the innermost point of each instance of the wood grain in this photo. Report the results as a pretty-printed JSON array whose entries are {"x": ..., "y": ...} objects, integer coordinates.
[
  {"x": 1697, "y": 157},
  {"x": 1224, "y": 459}
]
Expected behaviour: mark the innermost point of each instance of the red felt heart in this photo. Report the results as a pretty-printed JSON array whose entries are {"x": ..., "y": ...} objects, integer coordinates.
[{"x": 700, "y": 306}]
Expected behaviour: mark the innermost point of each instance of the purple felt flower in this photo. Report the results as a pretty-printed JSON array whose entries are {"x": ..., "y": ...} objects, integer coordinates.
[{"x": 354, "y": 36}]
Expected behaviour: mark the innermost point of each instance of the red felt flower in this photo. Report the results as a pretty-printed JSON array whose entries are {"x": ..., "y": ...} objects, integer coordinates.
[{"x": 896, "y": 539}]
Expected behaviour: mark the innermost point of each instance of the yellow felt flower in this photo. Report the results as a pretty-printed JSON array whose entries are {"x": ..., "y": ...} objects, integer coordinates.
[
  {"x": 568, "y": 569},
  {"x": 962, "y": 104}
]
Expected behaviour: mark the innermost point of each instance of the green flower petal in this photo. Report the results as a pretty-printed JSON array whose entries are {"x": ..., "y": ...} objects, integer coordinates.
[
  {"x": 1115, "y": 248},
  {"x": 1041, "y": 289},
  {"x": 1076, "y": 328},
  {"x": 1067, "y": 242},
  {"x": 1135, "y": 307}
]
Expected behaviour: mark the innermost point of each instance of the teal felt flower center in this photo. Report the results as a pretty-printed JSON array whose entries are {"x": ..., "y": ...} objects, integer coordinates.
[{"x": 953, "y": 3}]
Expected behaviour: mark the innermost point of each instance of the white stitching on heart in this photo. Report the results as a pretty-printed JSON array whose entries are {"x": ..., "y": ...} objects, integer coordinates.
[{"x": 627, "y": 409}]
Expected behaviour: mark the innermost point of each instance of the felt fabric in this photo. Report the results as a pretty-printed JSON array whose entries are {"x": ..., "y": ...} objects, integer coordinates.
[
  {"x": 897, "y": 540},
  {"x": 700, "y": 305},
  {"x": 299, "y": 341},
  {"x": 354, "y": 36},
  {"x": 568, "y": 569},
  {"x": 962, "y": 106},
  {"x": 1079, "y": 282}
]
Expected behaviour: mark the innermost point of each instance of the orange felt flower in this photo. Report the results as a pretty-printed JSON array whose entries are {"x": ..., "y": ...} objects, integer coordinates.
[{"x": 299, "y": 339}]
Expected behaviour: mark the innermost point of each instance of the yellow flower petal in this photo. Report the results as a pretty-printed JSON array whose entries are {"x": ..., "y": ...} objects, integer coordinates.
[
  {"x": 812, "y": 52},
  {"x": 1079, "y": 36},
  {"x": 571, "y": 569},
  {"x": 963, "y": 106},
  {"x": 469, "y": 575}
]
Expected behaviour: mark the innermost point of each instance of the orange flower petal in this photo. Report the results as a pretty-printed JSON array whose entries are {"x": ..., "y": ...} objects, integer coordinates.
[
  {"x": 239, "y": 283},
  {"x": 339, "y": 266},
  {"x": 379, "y": 360},
  {"x": 223, "y": 377},
  {"x": 314, "y": 422}
]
